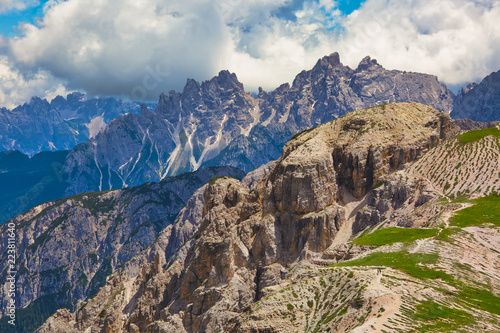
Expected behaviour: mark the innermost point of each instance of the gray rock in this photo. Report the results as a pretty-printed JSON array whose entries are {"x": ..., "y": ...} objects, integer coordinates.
[
  {"x": 68, "y": 248},
  {"x": 479, "y": 102}
]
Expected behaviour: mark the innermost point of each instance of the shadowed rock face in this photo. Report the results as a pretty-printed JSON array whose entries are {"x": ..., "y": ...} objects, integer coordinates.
[
  {"x": 248, "y": 238},
  {"x": 217, "y": 123},
  {"x": 479, "y": 102}
]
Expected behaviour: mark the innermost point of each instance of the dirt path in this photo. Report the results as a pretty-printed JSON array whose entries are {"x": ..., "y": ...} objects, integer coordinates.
[{"x": 385, "y": 298}]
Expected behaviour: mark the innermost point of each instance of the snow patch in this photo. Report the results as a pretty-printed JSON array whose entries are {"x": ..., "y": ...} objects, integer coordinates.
[
  {"x": 95, "y": 126},
  {"x": 209, "y": 147},
  {"x": 256, "y": 114},
  {"x": 284, "y": 118}
]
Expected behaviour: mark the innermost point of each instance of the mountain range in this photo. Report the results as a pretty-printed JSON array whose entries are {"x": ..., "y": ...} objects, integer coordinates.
[
  {"x": 218, "y": 123},
  {"x": 59, "y": 125},
  {"x": 227, "y": 211},
  {"x": 209, "y": 124},
  {"x": 67, "y": 248},
  {"x": 295, "y": 245}
]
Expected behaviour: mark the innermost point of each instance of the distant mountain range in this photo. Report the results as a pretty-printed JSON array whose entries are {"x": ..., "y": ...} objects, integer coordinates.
[
  {"x": 479, "y": 102},
  {"x": 59, "y": 125},
  {"x": 212, "y": 123},
  {"x": 65, "y": 122},
  {"x": 218, "y": 123}
]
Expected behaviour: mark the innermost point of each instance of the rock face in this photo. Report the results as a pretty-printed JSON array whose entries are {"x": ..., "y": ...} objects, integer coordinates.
[
  {"x": 218, "y": 123},
  {"x": 479, "y": 102},
  {"x": 470, "y": 125},
  {"x": 304, "y": 207},
  {"x": 66, "y": 249},
  {"x": 59, "y": 125}
]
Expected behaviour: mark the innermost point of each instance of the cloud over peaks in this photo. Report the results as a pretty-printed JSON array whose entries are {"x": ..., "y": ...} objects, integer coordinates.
[{"x": 139, "y": 49}]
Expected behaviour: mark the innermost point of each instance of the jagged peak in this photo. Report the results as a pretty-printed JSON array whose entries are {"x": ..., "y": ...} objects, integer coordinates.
[
  {"x": 191, "y": 85},
  {"x": 37, "y": 101},
  {"x": 144, "y": 109},
  {"x": 332, "y": 60},
  {"x": 76, "y": 97},
  {"x": 227, "y": 80},
  {"x": 367, "y": 62}
]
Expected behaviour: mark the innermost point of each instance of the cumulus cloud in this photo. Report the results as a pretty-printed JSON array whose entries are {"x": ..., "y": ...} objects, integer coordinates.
[
  {"x": 139, "y": 49},
  {"x": 458, "y": 40},
  {"x": 17, "y": 87},
  {"x": 125, "y": 47},
  {"x": 8, "y": 5}
]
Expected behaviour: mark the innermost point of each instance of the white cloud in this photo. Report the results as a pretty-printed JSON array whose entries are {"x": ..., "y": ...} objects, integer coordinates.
[
  {"x": 458, "y": 40},
  {"x": 127, "y": 47},
  {"x": 8, "y": 5},
  {"x": 17, "y": 88}
]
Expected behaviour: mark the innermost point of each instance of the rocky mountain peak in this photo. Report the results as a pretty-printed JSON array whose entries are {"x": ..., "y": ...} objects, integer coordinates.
[
  {"x": 366, "y": 63},
  {"x": 192, "y": 87},
  {"x": 332, "y": 60},
  {"x": 75, "y": 98},
  {"x": 479, "y": 102},
  {"x": 144, "y": 109},
  {"x": 36, "y": 104},
  {"x": 225, "y": 80}
]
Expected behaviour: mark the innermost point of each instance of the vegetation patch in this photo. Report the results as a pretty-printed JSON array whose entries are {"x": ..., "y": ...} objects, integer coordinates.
[
  {"x": 413, "y": 264},
  {"x": 480, "y": 299},
  {"x": 395, "y": 235},
  {"x": 474, "y": 136},
  {"x": 485, "y": 210},
  {"x": 303, "y": 132},
  {"x": 438, "y": 318},
  {"x": 378, "y": 184},
  {"x": 214, "y": 180},
  {"x": 446, "y": 235}
]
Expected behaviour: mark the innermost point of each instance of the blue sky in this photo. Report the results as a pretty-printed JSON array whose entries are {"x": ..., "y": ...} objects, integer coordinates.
[
  {"x": 348, "y": 6},
  {"x": 10, "y": 20},
  {"x": 116, "y": 47}
]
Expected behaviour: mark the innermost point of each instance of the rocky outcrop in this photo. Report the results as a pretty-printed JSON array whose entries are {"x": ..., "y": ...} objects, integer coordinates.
[
  {"x": 479, "y": 102},
  {"x": 249, "y": 239},
  {"x": 67, "y": 248},
  {"x": 470, "y": 125}
]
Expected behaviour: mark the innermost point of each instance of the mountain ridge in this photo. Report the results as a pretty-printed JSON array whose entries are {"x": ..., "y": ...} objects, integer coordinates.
[
  {"x": 67, "y": 248},
  {"x": 61, "y": 124},
  {"x": 218, "y": 116}
]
